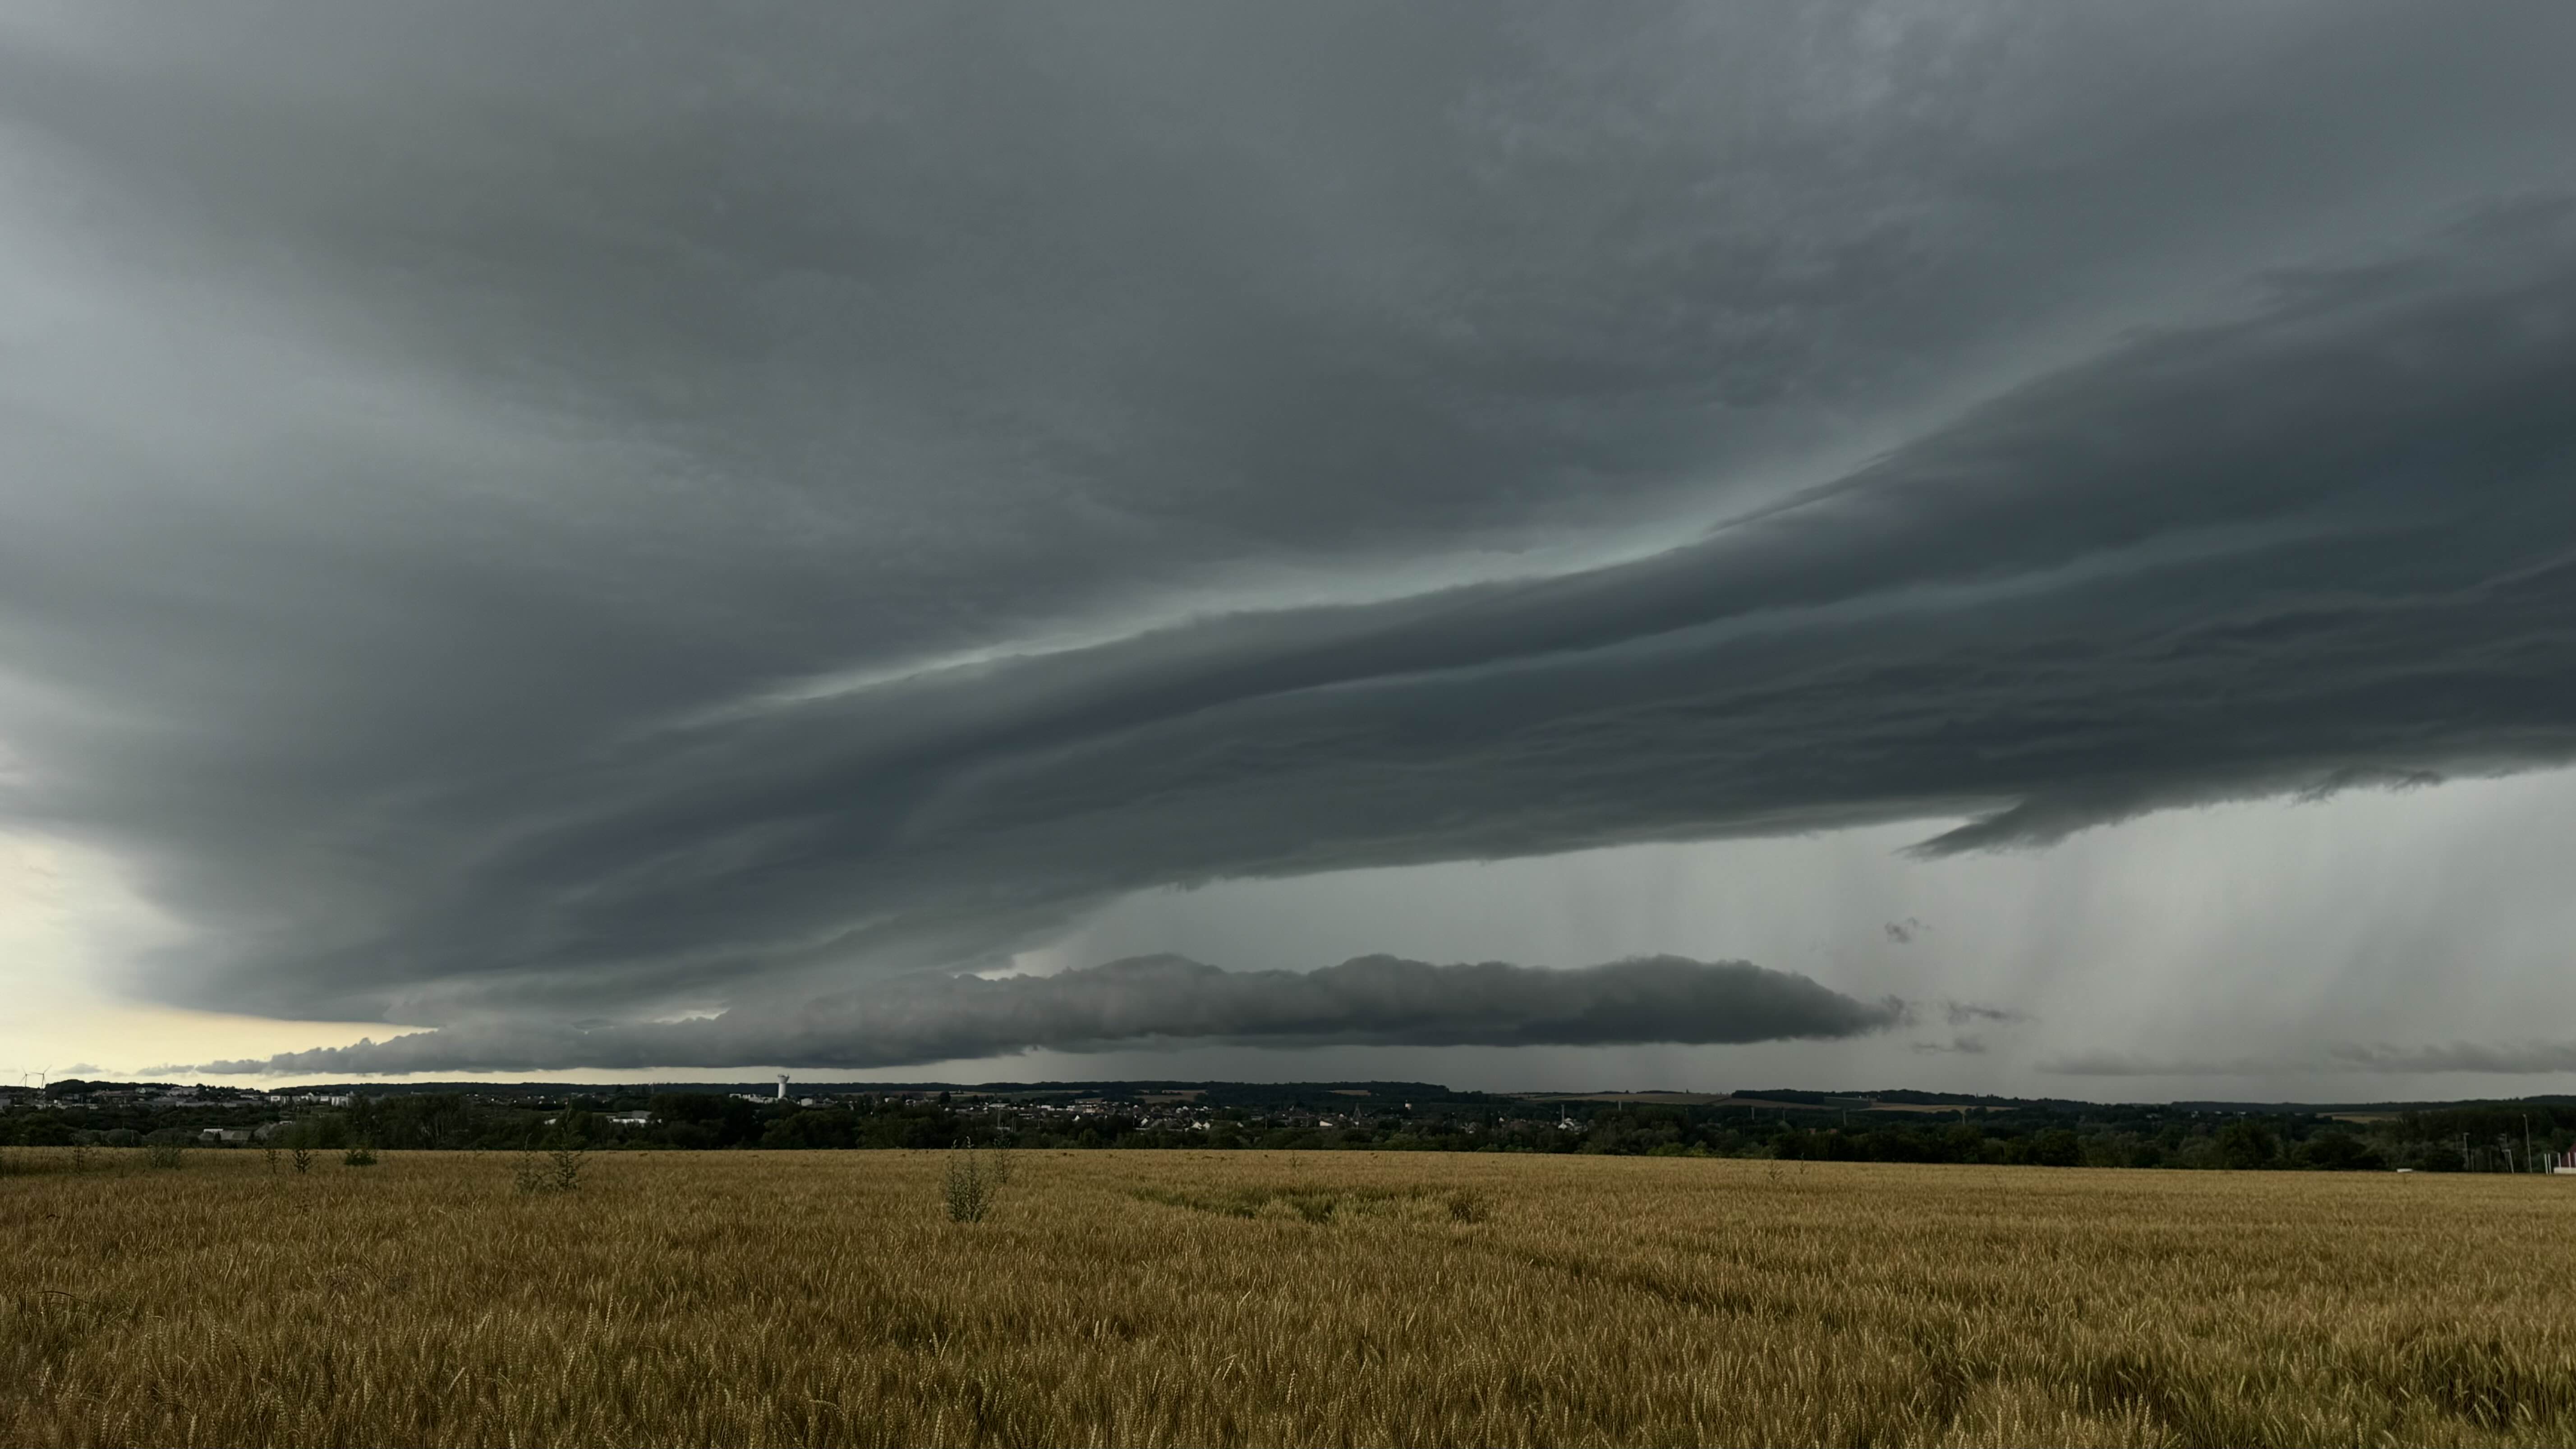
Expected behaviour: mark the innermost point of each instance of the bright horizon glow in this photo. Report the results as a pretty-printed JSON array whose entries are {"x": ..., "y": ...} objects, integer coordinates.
[{"x": 2045, "y": 928}]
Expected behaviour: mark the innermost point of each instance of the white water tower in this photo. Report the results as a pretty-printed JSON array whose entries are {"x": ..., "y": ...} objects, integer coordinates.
[{"x": 782, "y": 1086}]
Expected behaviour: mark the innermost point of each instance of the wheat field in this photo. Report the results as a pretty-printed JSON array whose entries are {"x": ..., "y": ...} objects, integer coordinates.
[{"x": 1249, "y": 1298}]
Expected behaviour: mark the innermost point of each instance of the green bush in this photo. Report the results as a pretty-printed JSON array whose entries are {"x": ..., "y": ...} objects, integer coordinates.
[
  {"x": 974, "y": 1182},
  {"x": 553, "y": 1164}
]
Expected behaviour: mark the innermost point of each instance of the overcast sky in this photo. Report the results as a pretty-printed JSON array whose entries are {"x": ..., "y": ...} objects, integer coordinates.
[{"x": 2025, "y": 548}]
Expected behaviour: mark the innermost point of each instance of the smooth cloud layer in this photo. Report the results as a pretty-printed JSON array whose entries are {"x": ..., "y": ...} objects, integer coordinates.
[
  {"x": 509, "y": 524},
  {"x": 1371, "y": 1000}
]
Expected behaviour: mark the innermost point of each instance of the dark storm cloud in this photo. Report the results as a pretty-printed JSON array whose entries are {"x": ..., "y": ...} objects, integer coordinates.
[
  {"x": 2460, "y": 1056},
  {"x": 1371, "y": 1000},
  {"x": 1960, "y": 1014},
  {"x": 2321, "y": 548},
  {"x": 2524, "y": 1058},
  {"x": 2131, "y": 1064},
  {"x": 599, "y": 511}
]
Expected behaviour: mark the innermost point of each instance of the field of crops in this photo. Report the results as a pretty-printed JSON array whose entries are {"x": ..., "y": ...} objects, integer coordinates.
[{"x": 1245, "y": 1298}]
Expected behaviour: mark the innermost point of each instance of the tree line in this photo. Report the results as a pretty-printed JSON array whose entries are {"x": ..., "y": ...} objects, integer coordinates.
[{"x": 2477, "y": 1137}]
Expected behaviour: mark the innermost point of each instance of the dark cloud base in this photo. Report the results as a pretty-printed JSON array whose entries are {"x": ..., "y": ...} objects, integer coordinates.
[
  {"x": 1371, "y": 1000},
  {"x": 490, "y": 540},
  {"x": 2331, "y": 546}
]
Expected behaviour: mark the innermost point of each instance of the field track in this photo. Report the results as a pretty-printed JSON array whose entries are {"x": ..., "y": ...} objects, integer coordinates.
[{"x": 1256, "y": 1298}]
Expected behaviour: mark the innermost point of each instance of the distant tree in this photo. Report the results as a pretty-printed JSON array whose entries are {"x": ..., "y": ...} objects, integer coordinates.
[
  {"x": 2341, "y": 1152},
  {"x": 811, "y": 1129},
  {"x": 2245, "y": 1143},
  {"x": 416, "y": 1119},
  {"x": 46, "y": 1131},
  {"x": 366, "y": 1119},
  {"x": 2056, "y": 1147},
  {"x": 2434, "y": 1157},
  {"x": 717, "y": 1121}
]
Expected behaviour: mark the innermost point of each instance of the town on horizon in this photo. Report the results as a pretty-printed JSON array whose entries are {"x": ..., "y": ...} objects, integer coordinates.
[{"x": 2530, "y": 1134}]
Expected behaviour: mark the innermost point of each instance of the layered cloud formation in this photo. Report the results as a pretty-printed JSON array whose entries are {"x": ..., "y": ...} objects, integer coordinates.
[
  {"x": 1371, "y": 1000},
  {"x": 510, "y": 522}
]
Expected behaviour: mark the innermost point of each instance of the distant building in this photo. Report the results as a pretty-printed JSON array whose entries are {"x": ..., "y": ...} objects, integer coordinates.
[{"x": 630, "y": 1119}]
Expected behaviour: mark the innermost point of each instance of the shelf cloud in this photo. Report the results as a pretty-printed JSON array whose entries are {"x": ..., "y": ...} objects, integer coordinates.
[
  {"x": 509, "y": 527},
  {"x": 1370, "y": 1000}
]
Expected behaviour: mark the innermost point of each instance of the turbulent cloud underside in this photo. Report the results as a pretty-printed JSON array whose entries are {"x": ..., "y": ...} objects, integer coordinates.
[
  {"x": 1371, "y": 1000},
  {"x": 509, "y": 524}
]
